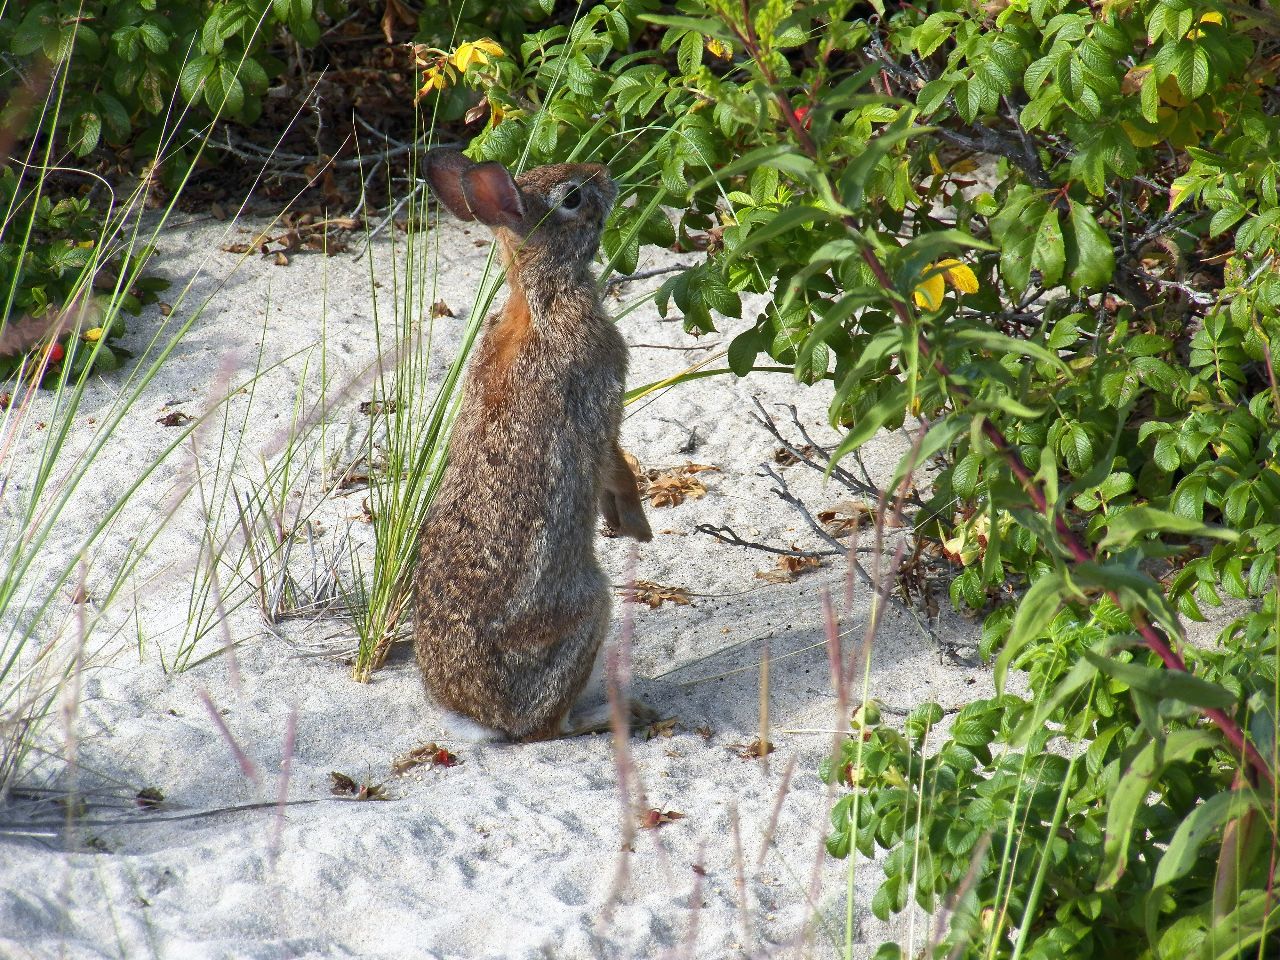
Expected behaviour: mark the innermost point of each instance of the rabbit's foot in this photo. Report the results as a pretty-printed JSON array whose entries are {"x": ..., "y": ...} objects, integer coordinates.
[{"x": 599, "y": 718}]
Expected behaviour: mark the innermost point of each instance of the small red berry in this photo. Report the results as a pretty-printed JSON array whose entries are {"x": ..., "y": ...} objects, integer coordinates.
[
  {"x": 56, "y": 353},
  {"x": 802, "y": 114}
]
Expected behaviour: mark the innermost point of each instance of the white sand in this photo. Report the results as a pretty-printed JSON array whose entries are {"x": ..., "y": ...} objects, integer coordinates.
[{"x": 513, "y": 852}]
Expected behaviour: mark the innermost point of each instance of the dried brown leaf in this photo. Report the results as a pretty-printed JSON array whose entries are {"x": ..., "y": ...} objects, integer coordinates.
[
  {"x": 843, "y": 518},
  {"x": 661, "y": 728},
  {"x": 441, "y": 309},
  {"x": 789, "y": 567},
  {"x": 175, "y": 418},
  {"x": 343, "y": 786},
  {"x": 673, "y": 486},
  {"x": 655, "y": 594},
  {"x": 785, "y": 458},
  {"x": 754, "y": 750}
]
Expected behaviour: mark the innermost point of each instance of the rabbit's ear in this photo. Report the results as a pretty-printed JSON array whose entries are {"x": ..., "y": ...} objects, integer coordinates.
[
  {"x": 445, "y": 171},
  {"x": 493, "y": 196}
]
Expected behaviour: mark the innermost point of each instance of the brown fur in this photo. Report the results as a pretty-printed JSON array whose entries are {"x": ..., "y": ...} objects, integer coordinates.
[{"x": 510, "y": 604}]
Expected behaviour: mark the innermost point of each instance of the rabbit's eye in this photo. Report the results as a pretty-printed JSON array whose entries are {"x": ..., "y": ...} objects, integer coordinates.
[{"x": 567, "y": 197}]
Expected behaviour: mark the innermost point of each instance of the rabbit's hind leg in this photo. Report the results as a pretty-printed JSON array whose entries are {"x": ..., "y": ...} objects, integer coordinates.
[{"x": 463, "y": 728}]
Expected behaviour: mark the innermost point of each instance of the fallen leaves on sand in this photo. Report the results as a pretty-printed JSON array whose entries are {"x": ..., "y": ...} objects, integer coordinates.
[
  {"x": 844, "y": 517},
  {"x": 426, "y": 755},
  {"x": 785, "y": 458},
  {"x": 343, "y": 786},
  {"x": 656, "y": 594},
  {"x": 175, "y": 418},
  {"x": 653, "y": 818},
  {"x": 661, "y": 728},
  {"x": 148, "y": 798},
  {"x": 754, "y": 750},
  {"x": 670, "y": 488},
  {"x": 306, "y": 231},
  {"x": 789, "y": 567}
]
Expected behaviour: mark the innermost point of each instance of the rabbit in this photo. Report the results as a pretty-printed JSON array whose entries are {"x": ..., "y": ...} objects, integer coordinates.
[{"x": 511, "y": 608}]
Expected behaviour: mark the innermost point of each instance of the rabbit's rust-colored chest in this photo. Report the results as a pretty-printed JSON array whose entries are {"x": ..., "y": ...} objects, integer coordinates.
[{"x": 503, "y": 341}]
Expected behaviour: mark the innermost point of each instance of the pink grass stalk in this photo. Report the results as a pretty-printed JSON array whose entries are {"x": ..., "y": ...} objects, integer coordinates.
[
  {"x": 740, "y": 875},
  {"x": 286, "y": 771},
  {"x": 247, "y": 766}
]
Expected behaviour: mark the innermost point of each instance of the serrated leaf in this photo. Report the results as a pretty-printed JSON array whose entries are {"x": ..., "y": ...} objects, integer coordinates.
[
  {"x": 964, "y": 478},
  {"x": 86, "y": 131}
]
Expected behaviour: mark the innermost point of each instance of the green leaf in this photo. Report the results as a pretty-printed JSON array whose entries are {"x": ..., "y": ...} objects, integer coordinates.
[
  {"x": 1135, "y": 589},
  {"x": 1001, "y": 343},
  {"x": 689, "y": 54},
  {"x": 783, "y": 221},
  {"x": 1091, "y": 260},
  {"x": 1081, "y": 673},
  {"x": 707, "y": 26},
  {"x": 197, "y": 71},
  {"x": 964, "y": 478},
  {"x": 156, "y": 40},
  {"x": 743, "y": 350},
  {"x": 1150, "y": 98},
  {"x": 1038, "y": 606},
  {"x": 1125, "y": 527},
  {"x": 891, "y": 405},
  {"x": 1166, "y": 455},
  {"x": 1180, "y": 856},
  {"x": 780, "y": 156},
  {"x": 1132, "y": 790},
  {"x": 1165, "y": 683},
  {"x": 853, "y": 182},
  {"x": 233, "y": 92}
]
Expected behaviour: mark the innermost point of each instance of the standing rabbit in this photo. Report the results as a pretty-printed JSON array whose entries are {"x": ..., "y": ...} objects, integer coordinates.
[{"x": 511, "y": 606}]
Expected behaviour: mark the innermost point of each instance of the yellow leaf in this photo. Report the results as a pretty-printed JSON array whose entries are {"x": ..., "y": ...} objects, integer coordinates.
[
  {"x": 433, "y": 78},
  {"x": 928, "y": 292},
  {"x": 94, "y": 335},
  {"x": 720, "y": 49},
  {"x": 934, "y": 166},
  {"x": 475, "y": 51},
  {"x": 1171, "y": 94},
  {"x": 1140, "y": 138},
  {"x": 959, "y": 276}
]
